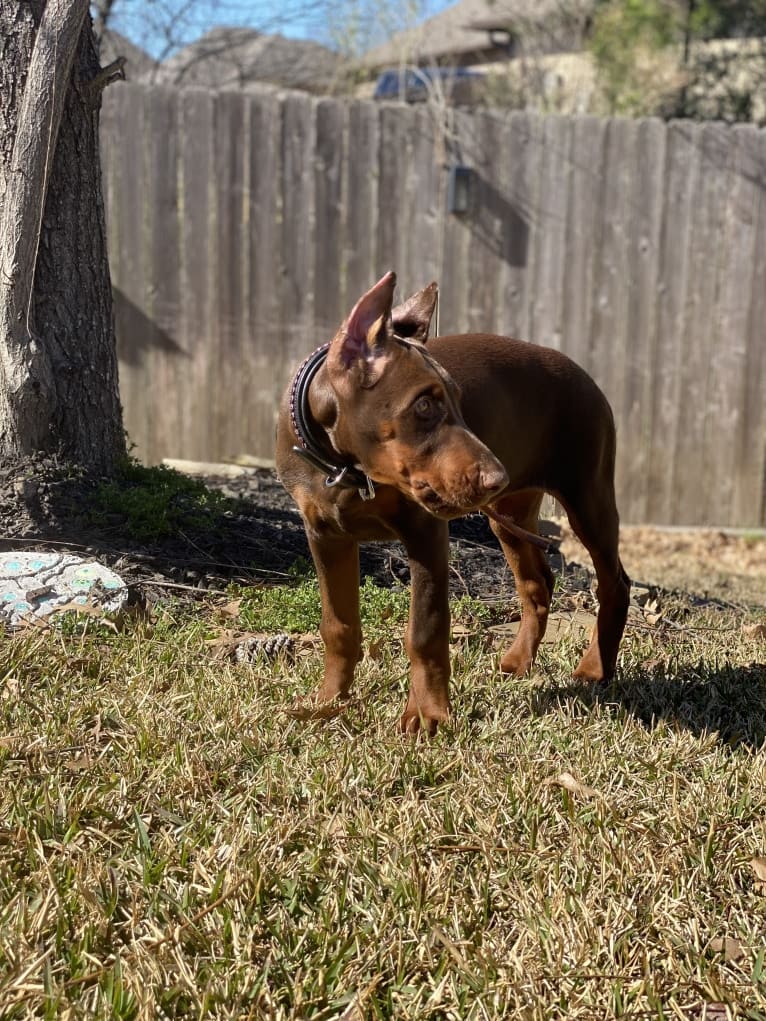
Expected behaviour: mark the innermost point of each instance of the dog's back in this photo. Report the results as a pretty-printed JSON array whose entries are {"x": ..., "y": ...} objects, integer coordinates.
[{"x": 537, "y": 410}]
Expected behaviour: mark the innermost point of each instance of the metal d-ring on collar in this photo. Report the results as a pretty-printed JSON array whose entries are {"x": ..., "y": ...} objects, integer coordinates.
[{"x": 312, "y": 449}]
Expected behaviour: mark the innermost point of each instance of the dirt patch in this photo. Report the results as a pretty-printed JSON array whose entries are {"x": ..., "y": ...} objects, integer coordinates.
[
  {"x": 258, "y": 537},
  {"x": 711, "y": 563}
]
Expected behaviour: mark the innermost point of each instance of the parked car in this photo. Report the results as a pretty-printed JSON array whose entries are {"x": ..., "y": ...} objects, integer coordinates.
[{"x": 417, "y": 84}]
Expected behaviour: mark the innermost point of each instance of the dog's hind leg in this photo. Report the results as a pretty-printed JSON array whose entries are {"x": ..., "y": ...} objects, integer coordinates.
[
  {"x": 533, "y": 577},
  {"x": 593, "y": 516}
]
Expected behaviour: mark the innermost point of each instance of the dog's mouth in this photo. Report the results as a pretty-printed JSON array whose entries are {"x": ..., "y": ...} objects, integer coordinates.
[{"x": 442, "y": 507}]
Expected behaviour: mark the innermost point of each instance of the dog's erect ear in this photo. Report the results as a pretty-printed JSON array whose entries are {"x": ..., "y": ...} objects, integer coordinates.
[
  {"x": 363, "y": 340},
  {"x": 412, "y": 319}
]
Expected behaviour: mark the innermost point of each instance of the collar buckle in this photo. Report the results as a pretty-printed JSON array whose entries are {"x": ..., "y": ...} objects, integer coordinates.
[{"x": 366, "y": 490}]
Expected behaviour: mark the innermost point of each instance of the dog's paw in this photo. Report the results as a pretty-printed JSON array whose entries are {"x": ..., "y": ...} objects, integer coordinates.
[
  {"x": 518, "y": 664},
  {"x": 590, "y": 669},
  {"x": 415, "y": 723}
]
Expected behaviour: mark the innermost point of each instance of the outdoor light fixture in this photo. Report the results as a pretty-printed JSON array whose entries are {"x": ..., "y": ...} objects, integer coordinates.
[{"x": 458, "y": 188}]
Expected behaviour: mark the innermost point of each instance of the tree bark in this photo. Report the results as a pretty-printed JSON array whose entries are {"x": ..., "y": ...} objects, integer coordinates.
[{"x": 58, "y": 364}]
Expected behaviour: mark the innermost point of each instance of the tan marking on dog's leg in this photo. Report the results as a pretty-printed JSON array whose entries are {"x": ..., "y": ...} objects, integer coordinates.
[
  {"x": 596, "y": 523},
  {"x": 533, "y": 578},
  {"x": 337, "y": 564},
  {"x": 427, "y": 638}
]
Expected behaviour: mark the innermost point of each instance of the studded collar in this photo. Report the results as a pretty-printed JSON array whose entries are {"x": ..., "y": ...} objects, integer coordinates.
[{"x": 313, "y": 446}]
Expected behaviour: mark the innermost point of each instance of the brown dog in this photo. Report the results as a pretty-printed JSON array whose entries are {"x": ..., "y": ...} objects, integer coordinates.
[{"x": 381, "y": 438}]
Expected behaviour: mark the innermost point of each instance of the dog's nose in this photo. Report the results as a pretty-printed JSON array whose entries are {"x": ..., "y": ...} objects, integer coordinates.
[{"x": 493, "y": 479}]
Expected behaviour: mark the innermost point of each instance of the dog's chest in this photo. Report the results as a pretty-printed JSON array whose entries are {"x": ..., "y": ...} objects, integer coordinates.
[{"x": 343, "y": 512}]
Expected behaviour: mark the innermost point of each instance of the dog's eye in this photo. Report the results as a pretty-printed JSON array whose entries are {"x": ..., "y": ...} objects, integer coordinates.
[{"x": 425, "y": 406}]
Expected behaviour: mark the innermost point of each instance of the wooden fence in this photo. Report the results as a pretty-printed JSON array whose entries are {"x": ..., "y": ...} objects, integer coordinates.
[{"x": 242, "y": 228}]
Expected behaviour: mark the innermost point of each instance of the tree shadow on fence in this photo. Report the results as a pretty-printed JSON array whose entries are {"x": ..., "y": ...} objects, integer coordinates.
[
  {"x": 138, "y": 334},
  {"x": 497, "y": 223}
]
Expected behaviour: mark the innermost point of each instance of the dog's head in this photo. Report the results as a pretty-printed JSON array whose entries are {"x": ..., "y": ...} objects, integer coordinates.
[{"x": 396, "y": 411}]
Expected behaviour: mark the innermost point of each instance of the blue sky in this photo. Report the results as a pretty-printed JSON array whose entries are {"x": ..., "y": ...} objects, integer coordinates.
[{"x": 159, "y": 26}]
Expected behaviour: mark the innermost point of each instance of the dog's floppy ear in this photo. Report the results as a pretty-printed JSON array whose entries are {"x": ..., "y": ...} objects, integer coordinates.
[
  {"x": 412, "y": 319},
  {"x": 362, "y": 343}
]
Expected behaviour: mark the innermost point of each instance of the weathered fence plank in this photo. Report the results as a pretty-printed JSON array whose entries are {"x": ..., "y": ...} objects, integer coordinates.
[
  {"x": 225, "y": 369},
  {"x": 424, "y": 205},
  {"x": 647, "y": 217},
  {"x": 533, "y": 187},
  {"x": 454, "y": 280},
  {"x": 585, "y": 188},
  {"x": 611, "y": 281},
  {"x": 682, "y": 166},
  {"x": 392, "y": 153},
  {"x": 328, "y": 189},
  {"x": 749, "y": 496},
  {"x": 485, "y": 224},
  {"x": 360, "y": 249},
  {"x": 696, "y": 338},
  {"x": 194, "y": 327},
  {"x": 244, "y": 226},
  {"x": 265, "y": 119},
  {"x": 296, "y": 290},
  {"x": 127, "y": 224},
  {"x": 548, "y": 285},
  {"x": 729, "y": 367},
  {"x": 514, "y": 199}
]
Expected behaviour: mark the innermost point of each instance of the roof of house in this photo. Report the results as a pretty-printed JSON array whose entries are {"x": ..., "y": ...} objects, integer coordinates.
[
  {"x": 238, "y": 57},
  {"x": 465, "y": 27}
]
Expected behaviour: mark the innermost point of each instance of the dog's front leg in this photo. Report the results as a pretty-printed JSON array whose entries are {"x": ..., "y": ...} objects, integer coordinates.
[
  {"x": 427, "y": 640},
  {"x": 337, "y": 565}
]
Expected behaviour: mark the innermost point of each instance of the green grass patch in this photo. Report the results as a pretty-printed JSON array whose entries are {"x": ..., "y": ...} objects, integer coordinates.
[
  {"x": 296, "y": 608},
  {"x": 174, "y": 844},
  {"x": 153, "y": 503}
]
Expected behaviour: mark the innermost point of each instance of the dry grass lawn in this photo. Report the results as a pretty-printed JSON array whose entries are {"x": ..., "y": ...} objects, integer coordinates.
[{"x": 173, "y": 844}]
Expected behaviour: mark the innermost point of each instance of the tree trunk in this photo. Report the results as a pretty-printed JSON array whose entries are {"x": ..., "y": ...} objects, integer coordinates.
[{"x": 58, "y": 362}]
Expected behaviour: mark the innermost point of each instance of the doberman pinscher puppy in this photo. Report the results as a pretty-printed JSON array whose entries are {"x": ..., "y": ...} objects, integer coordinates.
[{"x": 380, "y": 437}]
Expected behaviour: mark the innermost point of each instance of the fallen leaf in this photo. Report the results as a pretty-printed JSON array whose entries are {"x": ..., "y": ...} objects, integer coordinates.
[
  {"x": 508, "y": 629},
  {"x": 231, "y": 609},
  {"x": 225, "y": 638},
  {"x": 87, "y": 608},
  {"x": 11, "y": 688},
  {"x": 731, "y": 948},
  {"x": 375, "y": 649},
  {"x": 757, "y": 631},
  {"x": 461, "y": 631},
  {"x": 758, "y": 865},
  {"x": 81, "y": 764},
  {"x": 313, "y": 710},
  {"x": 226, "y": 643},
  {"x": 308, "y": 642},
  {"x": 568, "y": 782},
  {"x": 714, "y": 1012},
  {"x": 652, "y": 618}
]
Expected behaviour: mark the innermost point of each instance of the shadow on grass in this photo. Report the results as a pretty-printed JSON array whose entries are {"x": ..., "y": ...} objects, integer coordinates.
[
  {"x": 728, "y": 701},
  {"x": 151, "y": 524}
]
